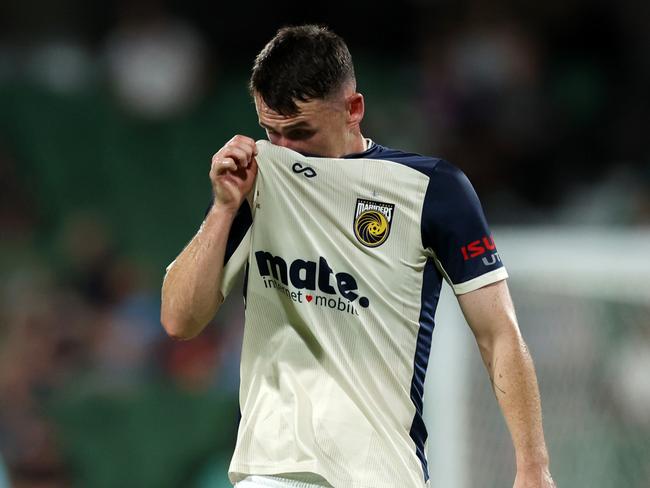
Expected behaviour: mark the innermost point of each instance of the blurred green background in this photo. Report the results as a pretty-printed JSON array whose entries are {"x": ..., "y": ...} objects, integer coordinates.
[{"x": 109, "y": 115}]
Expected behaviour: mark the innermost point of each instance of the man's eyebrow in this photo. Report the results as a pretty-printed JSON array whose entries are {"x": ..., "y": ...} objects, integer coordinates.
[{"x": 298, "y": 125}]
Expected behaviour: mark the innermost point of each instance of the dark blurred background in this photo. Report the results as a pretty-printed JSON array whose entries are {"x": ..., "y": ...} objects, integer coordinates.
[{"x": 109, "y": 115}]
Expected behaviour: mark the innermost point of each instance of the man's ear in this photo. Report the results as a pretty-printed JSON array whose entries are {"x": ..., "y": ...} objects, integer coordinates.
[{"x": 355, "y": 108}]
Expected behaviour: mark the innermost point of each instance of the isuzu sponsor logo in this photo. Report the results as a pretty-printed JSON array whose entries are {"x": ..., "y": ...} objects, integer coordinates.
[{"x": 481, "y": 247}]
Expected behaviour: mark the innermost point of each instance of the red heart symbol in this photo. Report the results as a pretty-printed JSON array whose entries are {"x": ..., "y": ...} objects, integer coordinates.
[{"x": 309, "y": 298}]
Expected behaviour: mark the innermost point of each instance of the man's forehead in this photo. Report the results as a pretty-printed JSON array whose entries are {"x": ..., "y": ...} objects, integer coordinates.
[
  {"x": 304, "y": 108},
  {"x": 308, "y": 113}
]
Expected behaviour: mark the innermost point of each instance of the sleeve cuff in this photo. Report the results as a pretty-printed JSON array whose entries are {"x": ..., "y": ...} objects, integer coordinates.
[{"x": 480, "y": 281}]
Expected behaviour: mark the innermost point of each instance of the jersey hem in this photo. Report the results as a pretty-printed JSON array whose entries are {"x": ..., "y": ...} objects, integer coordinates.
[
  {"x": 480, "y": 281},
  {"x": 281, "y": 482},
  {"x": 239, "y": 472}
]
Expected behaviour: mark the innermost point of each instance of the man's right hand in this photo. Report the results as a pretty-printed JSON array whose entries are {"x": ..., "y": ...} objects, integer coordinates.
[{"x": 233, "y": 172}]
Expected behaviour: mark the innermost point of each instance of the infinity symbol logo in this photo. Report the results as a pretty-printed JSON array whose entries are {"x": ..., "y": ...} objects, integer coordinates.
[{"x": 306, "y": 170}]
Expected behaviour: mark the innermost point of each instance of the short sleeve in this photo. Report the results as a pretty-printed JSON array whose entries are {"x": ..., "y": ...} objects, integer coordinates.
[{"x": 455, "y": 230}]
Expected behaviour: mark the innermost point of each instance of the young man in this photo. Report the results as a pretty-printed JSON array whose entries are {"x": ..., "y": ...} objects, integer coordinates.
[{"x": 344, "y": 244}]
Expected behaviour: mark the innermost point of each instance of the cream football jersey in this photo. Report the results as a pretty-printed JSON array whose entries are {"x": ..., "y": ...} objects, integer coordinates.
[{"x": 343, "y": 261}]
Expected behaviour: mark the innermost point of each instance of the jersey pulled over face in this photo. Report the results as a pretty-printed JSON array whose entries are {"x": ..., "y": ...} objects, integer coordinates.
[
  {"x": 319, "y": 128},
  {"x": 344, "y": 261}
]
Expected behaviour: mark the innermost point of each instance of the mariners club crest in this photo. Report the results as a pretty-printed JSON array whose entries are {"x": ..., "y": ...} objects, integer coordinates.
[{"x": 372, "y": 221}]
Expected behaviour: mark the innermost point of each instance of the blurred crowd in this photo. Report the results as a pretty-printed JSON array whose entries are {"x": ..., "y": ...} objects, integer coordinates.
[
  {"x": 91, "y": 388},
  {"x": 544, "y": 107},
  {"x": 89, "y": 382},
  {"x": 544, "y": 113}
]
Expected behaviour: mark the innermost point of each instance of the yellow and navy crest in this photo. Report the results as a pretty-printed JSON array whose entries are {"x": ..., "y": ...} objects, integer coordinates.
[{"x": 372, "y": 221}]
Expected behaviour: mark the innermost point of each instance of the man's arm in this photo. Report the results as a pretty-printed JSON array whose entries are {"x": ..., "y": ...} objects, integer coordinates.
[
  {"x": 490, "y": 313},
  {"x": 191, "y": 291}
]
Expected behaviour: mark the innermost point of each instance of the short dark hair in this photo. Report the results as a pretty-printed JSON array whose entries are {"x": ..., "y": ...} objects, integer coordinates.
[{"x": 300, "y": 63}]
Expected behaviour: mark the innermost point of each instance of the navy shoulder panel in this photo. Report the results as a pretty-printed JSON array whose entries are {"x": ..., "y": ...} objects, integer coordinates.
[
  {"x": 423, "y": 164},
  {"x": 453, "y": 224}
]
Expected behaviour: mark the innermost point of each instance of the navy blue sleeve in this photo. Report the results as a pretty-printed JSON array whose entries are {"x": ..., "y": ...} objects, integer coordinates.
[
  {"x": 241, "y": 224},
  {"x": 454, "y": 227}
]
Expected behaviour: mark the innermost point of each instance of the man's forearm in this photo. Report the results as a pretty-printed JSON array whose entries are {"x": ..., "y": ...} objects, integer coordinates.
[
  {"x": 191, "y": 292},
  {"x": 490, "y": 313},
  {"x": 512, "y": 373}
]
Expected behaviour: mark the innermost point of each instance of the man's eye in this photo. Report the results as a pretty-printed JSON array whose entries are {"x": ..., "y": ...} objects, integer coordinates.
[{"x": 300, "y": 134}]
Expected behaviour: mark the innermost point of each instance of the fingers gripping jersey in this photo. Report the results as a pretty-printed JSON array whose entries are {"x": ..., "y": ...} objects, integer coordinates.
[{"x": 345, "y": 260}]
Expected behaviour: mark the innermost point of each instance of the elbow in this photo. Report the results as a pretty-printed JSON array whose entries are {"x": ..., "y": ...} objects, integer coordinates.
[
  {"x": 498, "y": 338},
  {"x": 178, "y": 328},
  {"x": 183, "y": 322}
]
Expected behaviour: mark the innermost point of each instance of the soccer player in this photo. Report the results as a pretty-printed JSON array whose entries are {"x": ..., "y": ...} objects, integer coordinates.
[{"x": 344, "y": 244}]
